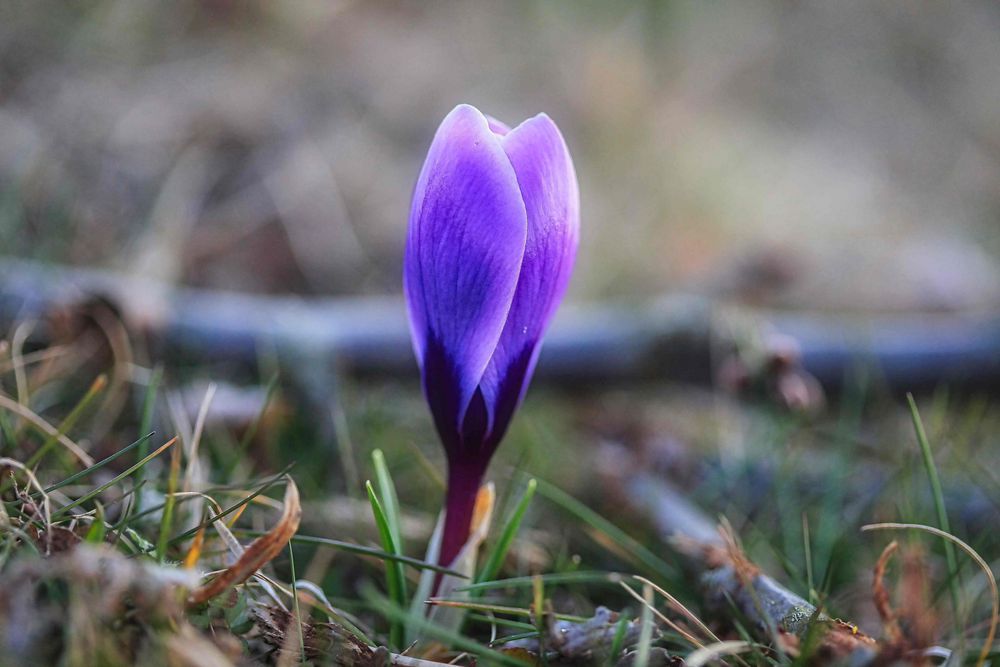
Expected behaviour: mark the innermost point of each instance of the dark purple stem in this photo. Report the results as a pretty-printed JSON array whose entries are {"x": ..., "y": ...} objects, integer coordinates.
[{"x": 464, "y": 480}]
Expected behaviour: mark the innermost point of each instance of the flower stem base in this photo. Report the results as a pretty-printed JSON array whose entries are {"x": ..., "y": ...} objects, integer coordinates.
[{"x": 460, "y": 503}]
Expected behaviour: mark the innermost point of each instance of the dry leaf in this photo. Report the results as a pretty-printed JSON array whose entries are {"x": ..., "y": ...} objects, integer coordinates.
[{"x": 258, "y": 554}]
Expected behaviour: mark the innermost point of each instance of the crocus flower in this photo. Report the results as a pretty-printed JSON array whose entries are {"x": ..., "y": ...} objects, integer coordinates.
[{"x": 493, "y": 232}]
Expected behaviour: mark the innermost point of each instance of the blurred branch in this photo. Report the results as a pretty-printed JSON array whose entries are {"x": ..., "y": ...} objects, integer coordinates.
[
  {"x": 729, "y": 579},
  {"x": 679, "y": 338}
]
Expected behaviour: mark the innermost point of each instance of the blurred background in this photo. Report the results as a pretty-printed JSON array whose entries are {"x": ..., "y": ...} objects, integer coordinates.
[
  {"x": 803, "y": 154},
  {"x": 811, "y": 155}
]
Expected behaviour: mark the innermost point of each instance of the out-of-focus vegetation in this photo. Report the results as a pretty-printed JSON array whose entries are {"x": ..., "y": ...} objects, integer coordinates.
[
  {"x": 807, "y": 155},
  {"x": 855, "y": 144}
]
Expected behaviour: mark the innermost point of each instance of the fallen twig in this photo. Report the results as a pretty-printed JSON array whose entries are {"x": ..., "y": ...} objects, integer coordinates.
[
  {"x": 588, "y": 642},
  {"x": 669, "y": 339},
  {"x": 729, "y": 577}
]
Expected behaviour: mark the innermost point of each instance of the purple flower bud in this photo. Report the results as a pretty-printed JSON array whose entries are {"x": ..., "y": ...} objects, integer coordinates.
[{"x": 493, "y": 233}]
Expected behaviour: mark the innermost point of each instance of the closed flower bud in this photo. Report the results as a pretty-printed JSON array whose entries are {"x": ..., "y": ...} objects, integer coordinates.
[{"x": 493, "y": 233}]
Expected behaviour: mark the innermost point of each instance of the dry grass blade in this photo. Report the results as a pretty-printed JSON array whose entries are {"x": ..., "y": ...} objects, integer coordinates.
[
  {"x": 232, "y": 544},
  {"x": 994, "y": 592},
  {"x": 93, "y": 605},
  {"x": 191, "y": 474},
  {"x": 48, "y": 429},
  {"x": 676, "y": 605},
  {"x": 226, "y": 535},
  {"x": 880, "y": 595},
  {"x": 21, "y": 334},
  {"x": 407, "y": 661},
  {"x": 660, "y": 615},
  {"x": 713, "y": 651},
  {"x": 194, "y": 553},
  {"x": 70, "y": 420},
  {"x": 646, "y": 629},
  {"x": 259, "y": 553},
  {"x": 37, "y": 356},
  {"x": 33, "y": 481},
  {"x": 93, "y": 493}
]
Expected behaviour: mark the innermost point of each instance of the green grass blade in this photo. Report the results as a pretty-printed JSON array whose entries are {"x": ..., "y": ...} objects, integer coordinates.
[
  {"x": 98, "y": 529},
  {"x": 360, "y": 550},
  {"x": 146, "y": 420},
  {"x": 387, "y": 494},
  {"x": 942, "y": 515},
  {"x": 502, "y": 622},
  {"x": 212, "y": 490},
  {"x": 499, "y": 551},
  {"x": 645, "y": 629},
  {"x": 100, "y": 464},
  {"x": 555, "y": 578},
  {"x": 295, "y": 603},
  {"x": 167, "y": 520},
  {"x": 427, "y": 628},
  {"x": 70, "y": 421},
  {"x": 345, "y": 447},
  {"x": 117, "y": 478},
  {"x": 394, "y": 577},
  {"x": 643, "y": 556},
  {"x": 232, "y": 508},
  {"x": 807, "y": 556},
  {"x": 462, "y": 603},
  {"x": 251, "y": 431},
  {"x": 538, "y": 607},
  {"x": 119, "y": 528},
  {"x": 618, "y": 643},
  {"x": 499, "y": 641},
  {"x": 7, "y": 431},
  {"x": 149, "y": 399}
]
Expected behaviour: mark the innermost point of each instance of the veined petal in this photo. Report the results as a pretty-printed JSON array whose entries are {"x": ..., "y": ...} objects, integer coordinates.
[
  {"x": 465, "y": 244},
  {"x": 549, "y": 188}
]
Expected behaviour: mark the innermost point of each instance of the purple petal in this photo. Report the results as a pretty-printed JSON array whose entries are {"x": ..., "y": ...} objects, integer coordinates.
[
  {"x": 548, "y": 185},
  {"x": 464, "y": 248},
  {"x": 498, "y": 127}
]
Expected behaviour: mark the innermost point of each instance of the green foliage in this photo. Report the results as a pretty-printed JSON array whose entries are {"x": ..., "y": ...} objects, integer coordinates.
[
  {"x": 502, "y": 545},
  {"x": 795, "y": 490},
  {"x": 394, "y": 576},
  {"x": 937, "y": 494}
]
